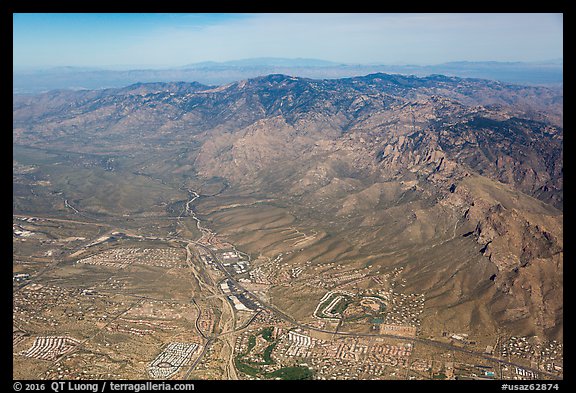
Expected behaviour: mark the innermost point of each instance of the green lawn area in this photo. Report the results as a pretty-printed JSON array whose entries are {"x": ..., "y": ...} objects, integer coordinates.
[
  {"x": 251, "y": 368},
  {"x": 292, "y": 373},
  {"x": 341, "y": 305},
  {"x": 245, "y": 368},
  {"x": 267, "y": 333},
  {"x": 268, "y": 352}
]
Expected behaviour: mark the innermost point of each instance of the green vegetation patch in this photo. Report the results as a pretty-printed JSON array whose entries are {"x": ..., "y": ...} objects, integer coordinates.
[
  {"x": 325, "y": 304},
  {"x": 338, "y": 308},
  {"x": 268, "y": 352},
  {"x": 251, "y": 368},
  {"x": 245, "y": 368},
  {"x": 341, "y": 305},
  {"x": 292, "y": 373},
  {"x": 251, "y": 344},
  {"x": 267, "y": 333}
]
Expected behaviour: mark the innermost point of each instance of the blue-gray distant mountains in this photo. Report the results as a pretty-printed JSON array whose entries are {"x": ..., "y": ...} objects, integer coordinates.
[{"x": 217, "y": 73}]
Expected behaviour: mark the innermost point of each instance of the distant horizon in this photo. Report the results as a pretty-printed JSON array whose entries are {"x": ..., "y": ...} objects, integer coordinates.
[
  {"x": 157, "y": 41},
  {"x": 136, "y": 67},
  {"x": 221, "y": 73}
]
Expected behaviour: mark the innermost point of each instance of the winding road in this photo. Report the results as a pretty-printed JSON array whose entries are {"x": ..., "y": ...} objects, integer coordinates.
[
  {"x": 227, "y": 335},
  {"x": 291, "y": 320}
]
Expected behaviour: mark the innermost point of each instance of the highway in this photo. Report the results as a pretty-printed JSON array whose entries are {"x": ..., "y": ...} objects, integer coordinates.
[
  {"x": 291, "y": 320},
  {"x": 424, "y": 341},
  {"x": 266, "y": 306}
]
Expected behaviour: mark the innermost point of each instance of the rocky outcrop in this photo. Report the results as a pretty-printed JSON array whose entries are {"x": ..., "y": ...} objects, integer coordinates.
[{"x": 395, "y": 161}]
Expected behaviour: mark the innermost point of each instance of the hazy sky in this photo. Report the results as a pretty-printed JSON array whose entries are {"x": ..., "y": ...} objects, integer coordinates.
[{"x": 157, "y": 40}]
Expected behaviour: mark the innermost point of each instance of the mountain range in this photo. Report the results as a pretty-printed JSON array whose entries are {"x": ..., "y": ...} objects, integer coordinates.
[
  {"x": 459, "y": 181},
  {"x": 216, "y": 73}
]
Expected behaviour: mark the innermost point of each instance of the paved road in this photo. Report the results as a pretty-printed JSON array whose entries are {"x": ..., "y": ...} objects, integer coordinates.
[
  {"x": 193, "y": 366},
  {"x": 291, "y": 320},
  {"x": 425, "y": 341}
]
